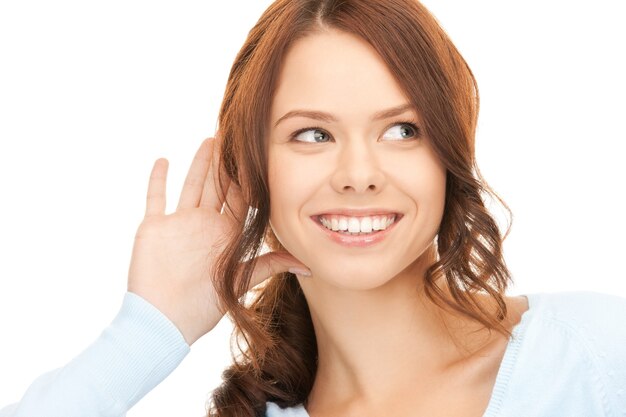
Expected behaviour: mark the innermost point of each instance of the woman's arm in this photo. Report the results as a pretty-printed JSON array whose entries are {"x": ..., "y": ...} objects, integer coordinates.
[
  {"x": 170, "y": 301},
  {"x": 137, "y": 351}
]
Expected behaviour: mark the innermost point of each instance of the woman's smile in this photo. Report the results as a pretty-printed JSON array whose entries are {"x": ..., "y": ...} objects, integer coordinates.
[{"x": 357, "y": 231}]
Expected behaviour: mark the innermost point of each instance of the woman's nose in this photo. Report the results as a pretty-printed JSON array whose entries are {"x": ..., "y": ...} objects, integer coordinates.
[{"x": 357, "y": 169}]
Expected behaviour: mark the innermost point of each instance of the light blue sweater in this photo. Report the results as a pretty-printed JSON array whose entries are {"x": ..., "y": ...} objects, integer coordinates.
[{"x": 567, "y": 358}]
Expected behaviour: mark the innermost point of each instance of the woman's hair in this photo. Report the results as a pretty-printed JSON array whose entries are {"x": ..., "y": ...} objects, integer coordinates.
[{"x": 279, "y": 360}]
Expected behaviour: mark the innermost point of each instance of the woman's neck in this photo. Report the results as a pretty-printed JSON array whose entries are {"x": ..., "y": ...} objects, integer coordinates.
[{"x": 372, "y": 344}]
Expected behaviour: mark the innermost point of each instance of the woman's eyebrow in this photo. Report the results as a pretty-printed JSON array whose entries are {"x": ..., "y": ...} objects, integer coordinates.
[{"x": 327, "y": 117}]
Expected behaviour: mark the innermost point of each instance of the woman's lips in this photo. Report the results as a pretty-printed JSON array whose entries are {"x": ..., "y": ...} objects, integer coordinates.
[{"x": 364, "y": 240}]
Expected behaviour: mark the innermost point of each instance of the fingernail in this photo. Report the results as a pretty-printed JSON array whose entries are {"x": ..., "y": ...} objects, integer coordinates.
[{"x": 300, "y": 271}]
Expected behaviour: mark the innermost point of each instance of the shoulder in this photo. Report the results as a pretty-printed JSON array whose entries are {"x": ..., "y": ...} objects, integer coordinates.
[
  {"x": 587, "y": 311},
  {"x": 565, "y": 357},
  {"x": 579, "y": 333},
  {"x": 594, "y": 319}
]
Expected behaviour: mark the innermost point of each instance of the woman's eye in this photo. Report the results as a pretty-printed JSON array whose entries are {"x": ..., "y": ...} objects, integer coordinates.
[
  {"x": 403, "y": 130},
  {"x": 310, "y": 135}
]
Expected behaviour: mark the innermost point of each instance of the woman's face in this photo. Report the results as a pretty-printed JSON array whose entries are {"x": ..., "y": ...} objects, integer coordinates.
[{"x": 349, "y": 166}]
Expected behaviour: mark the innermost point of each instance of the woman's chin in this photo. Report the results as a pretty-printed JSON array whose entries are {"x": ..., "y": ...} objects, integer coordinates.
[{"x": 348, "y": 278}]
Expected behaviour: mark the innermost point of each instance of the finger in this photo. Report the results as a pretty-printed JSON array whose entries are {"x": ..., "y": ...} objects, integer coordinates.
[
  {"x": 196, "y": 177},
  {"x": 272, "y": 263},
  {"x": 155, "y": 201},
  {"x": 213, "y": 195}
]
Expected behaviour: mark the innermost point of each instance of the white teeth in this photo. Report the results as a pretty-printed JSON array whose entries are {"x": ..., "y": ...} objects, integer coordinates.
[
  {"x": 366, "y": 225},
  {"x": 355, "y": 225}
]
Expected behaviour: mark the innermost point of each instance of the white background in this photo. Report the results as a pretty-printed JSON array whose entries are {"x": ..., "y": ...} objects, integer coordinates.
[{"x": 92, "y": 93}]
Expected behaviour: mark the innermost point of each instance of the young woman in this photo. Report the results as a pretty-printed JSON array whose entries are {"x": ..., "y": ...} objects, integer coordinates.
[{"x": 346, "y": 145}]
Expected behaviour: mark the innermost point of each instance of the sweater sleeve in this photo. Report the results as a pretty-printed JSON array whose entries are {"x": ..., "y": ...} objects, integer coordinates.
[{"x": 137, "y": 351}]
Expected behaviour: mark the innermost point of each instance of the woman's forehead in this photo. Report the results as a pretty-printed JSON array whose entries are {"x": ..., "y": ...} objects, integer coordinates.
[{"x": 337, "y": 73}]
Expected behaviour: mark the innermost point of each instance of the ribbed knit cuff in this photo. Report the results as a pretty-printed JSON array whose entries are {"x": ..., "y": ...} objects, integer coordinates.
[{"x": 137, "y": 351}]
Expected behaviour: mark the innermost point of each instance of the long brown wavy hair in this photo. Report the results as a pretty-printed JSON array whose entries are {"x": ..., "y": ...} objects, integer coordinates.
[{"x": 279, "y": 359}]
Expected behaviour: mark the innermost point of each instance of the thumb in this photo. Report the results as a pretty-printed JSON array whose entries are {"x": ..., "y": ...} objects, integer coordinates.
[{"x": 273, "y": 263}]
